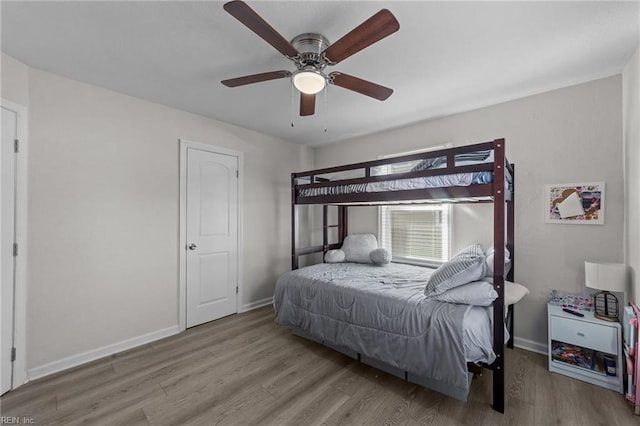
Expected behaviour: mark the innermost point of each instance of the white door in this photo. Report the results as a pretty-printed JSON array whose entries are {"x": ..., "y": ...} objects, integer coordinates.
[
  {"x": 7, "y": 231},
  {"x": 212, "y": 236}
]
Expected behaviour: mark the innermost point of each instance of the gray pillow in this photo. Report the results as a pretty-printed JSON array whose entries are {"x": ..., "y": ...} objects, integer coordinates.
[
  {"x": 358, "y": 247},
  {"x": 491, "y": 250},
  {"x": 380, "y": 256},
  {"x": 334, "y": 256},
  {"x": 489, "y": 261},
  {"x": 454, "y": 273}
]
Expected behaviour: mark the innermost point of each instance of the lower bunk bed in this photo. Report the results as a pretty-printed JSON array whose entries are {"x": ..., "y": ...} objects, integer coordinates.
[
  {"x": 387, "y": 321},
  {"x": 381, "y": 316}
]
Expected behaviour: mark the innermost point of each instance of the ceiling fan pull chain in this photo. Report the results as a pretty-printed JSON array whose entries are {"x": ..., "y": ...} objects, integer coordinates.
[
  {"x": 324, "y": 117},
  {"x": 293, "y": 107}
]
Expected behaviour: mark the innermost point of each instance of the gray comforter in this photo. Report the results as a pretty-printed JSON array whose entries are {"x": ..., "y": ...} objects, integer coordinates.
[{"x": 380, "y": 313}]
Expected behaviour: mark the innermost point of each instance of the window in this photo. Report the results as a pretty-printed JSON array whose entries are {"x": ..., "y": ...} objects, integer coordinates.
[{"x": 417, "y": 234}]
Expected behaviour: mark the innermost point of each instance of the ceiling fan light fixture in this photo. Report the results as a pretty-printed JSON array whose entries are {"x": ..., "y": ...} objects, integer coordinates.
[{"x": 309, "y": 81}]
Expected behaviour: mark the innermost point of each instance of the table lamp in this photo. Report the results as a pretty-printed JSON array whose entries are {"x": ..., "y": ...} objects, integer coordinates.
[{"x": 606, "y": 277}]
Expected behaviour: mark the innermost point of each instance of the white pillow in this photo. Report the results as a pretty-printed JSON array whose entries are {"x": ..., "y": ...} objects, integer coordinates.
[
  {"x": 479, "y": 293},
  {"x": 513, "y": 292},
  {"x": 334, "y": 256},
  {"x": 380, "y": 256},
  {"x": 358, "y": 247},
  {"x": 454, "y": 273},
  {"x": 482, "y": 293}
]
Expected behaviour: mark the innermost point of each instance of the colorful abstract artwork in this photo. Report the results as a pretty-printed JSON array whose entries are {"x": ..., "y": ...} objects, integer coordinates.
[{"x": 580, "y": 203}]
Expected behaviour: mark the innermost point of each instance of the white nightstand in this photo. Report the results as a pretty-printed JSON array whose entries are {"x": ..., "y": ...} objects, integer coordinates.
[{"x": 581, "y": 345}]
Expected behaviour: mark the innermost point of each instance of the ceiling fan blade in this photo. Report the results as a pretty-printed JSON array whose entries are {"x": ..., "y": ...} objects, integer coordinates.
[
  {"x": 370, "y": 31},
  {"x": 243, "y": 13},
  {"x": 361, "y": 86},
  {"x": 307, "y": 104},
  {"x": 255, "y": 78}
]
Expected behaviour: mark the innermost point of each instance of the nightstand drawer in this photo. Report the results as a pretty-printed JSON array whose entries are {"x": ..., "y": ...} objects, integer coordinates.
[{"x": 588, "y": 335}]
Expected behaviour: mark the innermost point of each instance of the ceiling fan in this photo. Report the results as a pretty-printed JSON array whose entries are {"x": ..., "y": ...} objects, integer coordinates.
[{"x": 312, "y": 52}]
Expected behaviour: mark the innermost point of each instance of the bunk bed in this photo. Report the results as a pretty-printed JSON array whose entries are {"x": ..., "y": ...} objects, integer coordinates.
[{"x": 444, "y": 176}]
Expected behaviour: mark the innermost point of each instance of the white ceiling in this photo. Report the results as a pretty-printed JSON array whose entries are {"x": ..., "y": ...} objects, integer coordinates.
[{"x": 447, "y": 57}]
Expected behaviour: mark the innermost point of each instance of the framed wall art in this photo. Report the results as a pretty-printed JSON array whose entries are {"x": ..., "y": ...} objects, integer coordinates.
[{"x": 575, "y": 203}]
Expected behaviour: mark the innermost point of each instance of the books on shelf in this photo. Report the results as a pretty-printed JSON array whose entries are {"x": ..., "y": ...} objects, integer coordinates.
[{"x": 578, "y": 356}]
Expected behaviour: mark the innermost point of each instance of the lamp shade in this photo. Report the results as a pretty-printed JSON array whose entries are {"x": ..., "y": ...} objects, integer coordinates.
[
  {"x": 309, "y": 82},
  {"x": 606, "y": 276}
]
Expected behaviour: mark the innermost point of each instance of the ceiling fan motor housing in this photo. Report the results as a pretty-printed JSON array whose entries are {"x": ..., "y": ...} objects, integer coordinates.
[{"x": 310, "y": 46}]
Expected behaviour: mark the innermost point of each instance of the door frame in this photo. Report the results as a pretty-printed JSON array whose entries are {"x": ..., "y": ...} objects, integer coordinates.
[
  {"x": 182, "y": 244},
  {"x": 20, "y": 306}
]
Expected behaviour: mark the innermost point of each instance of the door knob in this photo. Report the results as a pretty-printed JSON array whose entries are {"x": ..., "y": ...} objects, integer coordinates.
[{"x": 192, "y": 246}]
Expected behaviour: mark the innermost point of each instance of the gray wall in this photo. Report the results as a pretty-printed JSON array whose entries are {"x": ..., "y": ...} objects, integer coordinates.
[
  {"x": 631, "y": 111},
  {"x": 563, "y": 136},
  {"x": 103, "y": 206}
]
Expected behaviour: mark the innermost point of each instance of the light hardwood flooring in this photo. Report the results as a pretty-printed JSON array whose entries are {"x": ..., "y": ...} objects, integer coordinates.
[{"x": 247, "y": 370}]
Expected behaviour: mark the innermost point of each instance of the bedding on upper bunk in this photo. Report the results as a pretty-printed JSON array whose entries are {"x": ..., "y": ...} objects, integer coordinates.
[
  {"x": 439, "y": 181},
  {"x": 382, "y": 313}
]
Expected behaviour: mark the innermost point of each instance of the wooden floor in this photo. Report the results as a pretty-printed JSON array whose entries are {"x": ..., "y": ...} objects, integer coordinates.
[{"x": 247, "y": 370}]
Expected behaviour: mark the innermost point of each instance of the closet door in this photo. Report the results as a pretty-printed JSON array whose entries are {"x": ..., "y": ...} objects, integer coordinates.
[
  {"x": 212, "y": 236},
  {"x": 7, "y": 230}
]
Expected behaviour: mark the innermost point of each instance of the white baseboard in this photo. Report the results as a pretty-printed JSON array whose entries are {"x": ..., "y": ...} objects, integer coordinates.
[
  {"x": 530, "y": 345},
  {"x": 257, "y": 304},
  {"x": 92, "y": 355}
]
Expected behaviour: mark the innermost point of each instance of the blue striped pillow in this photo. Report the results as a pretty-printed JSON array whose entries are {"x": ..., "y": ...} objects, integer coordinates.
[
  {"x": 474, "y": 250},
  {"x": 454, "y": 273}
]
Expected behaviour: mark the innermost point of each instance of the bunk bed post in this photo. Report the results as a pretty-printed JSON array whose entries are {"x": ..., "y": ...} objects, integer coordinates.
[
  {"x": 294, "y": 223},
  {"x": 342, "y": 223},
  {"x": 511, "y": 206},
  {"x": 325, "y": 227},
  {"x": 498, "y": 277}
]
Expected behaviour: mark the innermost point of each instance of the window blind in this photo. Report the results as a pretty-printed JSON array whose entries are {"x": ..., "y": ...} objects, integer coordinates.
[{"x": 417, "y": 234}]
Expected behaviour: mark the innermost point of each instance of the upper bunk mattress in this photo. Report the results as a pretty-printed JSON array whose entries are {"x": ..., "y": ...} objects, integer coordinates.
[
  {"x": 437, "y": 181},
  {"x": 441, "y": 181},
  {"x": 382, "y": 313}
]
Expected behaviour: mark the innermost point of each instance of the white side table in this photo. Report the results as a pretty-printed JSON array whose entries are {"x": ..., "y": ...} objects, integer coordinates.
[{"x": 585, "y": 348}]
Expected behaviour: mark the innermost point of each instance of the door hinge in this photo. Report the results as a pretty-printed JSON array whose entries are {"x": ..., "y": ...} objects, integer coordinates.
[
  {"x": 16, "y": 145},
  {"x": 237, "y": 173},
  {"x": 15, "y": 249},
  {"x": 13, "y": 354},
  {"x": 236, "y": 289}
]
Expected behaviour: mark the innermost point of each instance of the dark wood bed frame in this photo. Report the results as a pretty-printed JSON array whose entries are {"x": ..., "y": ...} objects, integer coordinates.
[{"x": 501, "y": 192}]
